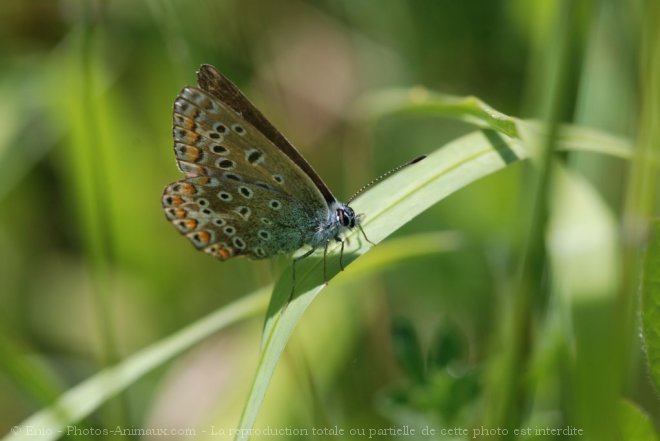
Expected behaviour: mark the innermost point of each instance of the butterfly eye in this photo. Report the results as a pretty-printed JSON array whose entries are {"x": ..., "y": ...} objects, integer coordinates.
[{"x": 346, "y": 216}]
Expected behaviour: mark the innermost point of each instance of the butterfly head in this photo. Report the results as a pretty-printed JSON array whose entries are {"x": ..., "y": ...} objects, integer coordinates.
[
  {"x": 345, "y": 216},
  {"x": 346, "y": 219}
]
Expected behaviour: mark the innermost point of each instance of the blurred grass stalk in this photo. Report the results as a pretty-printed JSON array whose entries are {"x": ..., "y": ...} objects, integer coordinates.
[
  {"x": 85, "y": 114},
  {"x": 642, "y": 179},
  {"x": 599, "y": 327},
  {"x": 511, "y": 390}
]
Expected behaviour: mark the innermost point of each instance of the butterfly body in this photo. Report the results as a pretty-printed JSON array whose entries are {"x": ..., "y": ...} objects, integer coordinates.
[{"x": 247, "y": 191}]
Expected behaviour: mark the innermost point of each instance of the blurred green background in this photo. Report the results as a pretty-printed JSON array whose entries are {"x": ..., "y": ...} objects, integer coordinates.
[{"x": 90, "y": 270}]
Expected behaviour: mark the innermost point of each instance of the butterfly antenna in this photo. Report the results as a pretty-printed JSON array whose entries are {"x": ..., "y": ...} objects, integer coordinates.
[{"x": 383, "y": 176}]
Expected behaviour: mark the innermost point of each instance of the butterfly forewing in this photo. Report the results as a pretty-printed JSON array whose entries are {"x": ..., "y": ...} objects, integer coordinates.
[
  {"x": 220, "y": 87},
  {"x": 242, "y": 194},
  {"x": 211, "y": 139}
]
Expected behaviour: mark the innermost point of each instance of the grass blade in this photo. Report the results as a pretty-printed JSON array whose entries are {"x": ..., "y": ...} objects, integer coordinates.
[
  {"x": 78, "y": 402},
  {"x": 389, "y": 206},
  {"x": 651, "y": 303}
]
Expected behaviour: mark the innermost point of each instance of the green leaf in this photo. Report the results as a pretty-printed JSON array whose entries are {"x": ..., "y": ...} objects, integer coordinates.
[
  {"x": 81, "y": 400},
  {"x": 651, "y": 303},
  {"x": 469, "y": 109},
  {"x": 407, "y": 350},
  {"x": 388, "y": 205},
  {"x": 448, "y": 346},
  {"x": 635, "y": 423},
  {"x": 583, "y": 252},
  {"x": 420, "y": 101}
]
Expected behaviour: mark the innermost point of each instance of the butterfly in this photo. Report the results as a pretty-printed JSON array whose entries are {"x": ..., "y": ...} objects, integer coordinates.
[{"x": 247, "y": 191}]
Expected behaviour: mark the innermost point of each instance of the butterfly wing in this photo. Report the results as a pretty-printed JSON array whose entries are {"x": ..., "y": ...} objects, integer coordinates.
[
  {"x": 243, "y": 194},
  {"x": 220, "y": 87},
  {"x": 211, "y": 139},
  {"x": 228, "y": 218}
]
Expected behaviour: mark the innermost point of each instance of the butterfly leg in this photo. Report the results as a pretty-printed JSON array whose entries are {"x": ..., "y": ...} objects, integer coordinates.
[
  {"x": 325, "y": 253},
  {"x": 341, "y": 252},
  {"x": 364, "y": 234},
  {"x": 293, "y": 272}
]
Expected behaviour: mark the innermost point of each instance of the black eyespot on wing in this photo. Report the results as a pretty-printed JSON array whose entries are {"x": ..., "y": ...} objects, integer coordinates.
[
  {"x": 254, "y": 156},
  {"x": 232, "y": 176},
  {"x": 226, "y": 164},
  {"x": 218, "y": 149},
  {"x": 275, "y": 204}
]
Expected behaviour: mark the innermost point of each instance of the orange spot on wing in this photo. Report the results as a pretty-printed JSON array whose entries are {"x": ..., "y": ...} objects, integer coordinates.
[
  {"x": 187, "y": 189},
  {"x": 188, "y": 123},
  {"x": 191, "y": 170},
  {"x": 175, "y": 200},
  {"x": 219, "y": 251},
  {"x": 176, "y": 213},
  {"x": 190, "y": 224},
  {"x": 204, "y": 237},
  {"x": 188, "y": 153}
]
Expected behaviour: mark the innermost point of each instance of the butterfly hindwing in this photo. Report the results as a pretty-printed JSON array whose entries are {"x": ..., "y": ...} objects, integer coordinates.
[{"x": 228, "y": 218}]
